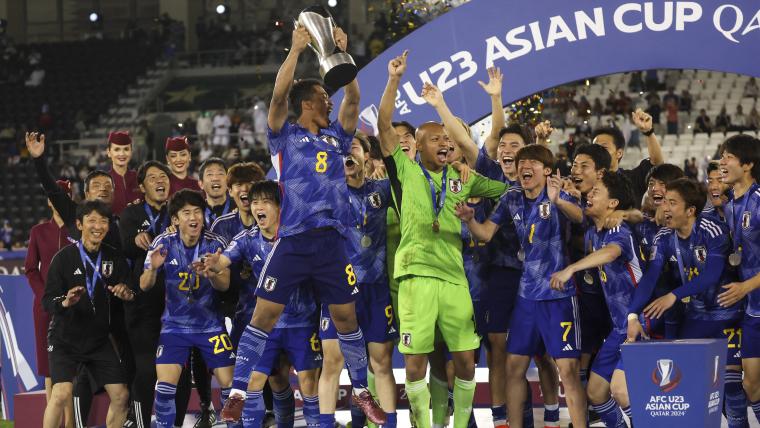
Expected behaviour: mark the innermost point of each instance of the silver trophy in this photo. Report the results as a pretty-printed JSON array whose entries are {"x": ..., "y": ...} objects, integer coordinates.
[
  {"x": 336, "y": 67},
  {"x": 665, "y": 368}
]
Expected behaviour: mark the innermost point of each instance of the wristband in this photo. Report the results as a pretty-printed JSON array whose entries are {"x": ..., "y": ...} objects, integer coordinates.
[
  {"x": 648, "y": 133},
  {"x": 632, "y": 317}
]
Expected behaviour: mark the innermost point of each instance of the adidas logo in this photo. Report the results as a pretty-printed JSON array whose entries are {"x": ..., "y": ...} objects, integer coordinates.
[
  {"x": 174, "y": 262},
  {"x": 516, "y": 217},
  {"x": 356, "y": 291},
  {"x": 77, "y": 272},
  {"x": 567, "y": 348},
  {"x": 257, "y": 258},
  {"x": 146, "y": 223},
  {"x": 738, "y": 354},
  {"x": 673, "y": 259},
  {"x": 232, "y": 355},
  {"x": 391, "y": 330}
]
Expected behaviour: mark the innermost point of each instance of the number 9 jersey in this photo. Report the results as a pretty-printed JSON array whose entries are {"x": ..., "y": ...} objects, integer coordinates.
[{"x": 313, "y": 190}]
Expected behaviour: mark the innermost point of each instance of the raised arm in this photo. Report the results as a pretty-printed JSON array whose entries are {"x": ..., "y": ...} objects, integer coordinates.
[
  {"x": 493, "y": 89},
  {"x": 35, "y": 144},
  {"x": 456, "y": 131},
  {"x": 348, "y": 115},
  {"x": 643, "y": 121},
  {"x": 388, "y": 138},
  {"x": 571, "y": 210},
  {"x": 543, "y": 132},
  {"x": 278, "y": 107}
]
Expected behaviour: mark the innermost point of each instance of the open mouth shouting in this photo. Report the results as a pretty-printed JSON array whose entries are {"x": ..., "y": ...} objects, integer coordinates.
[
  {"x": 657, "y": 198},
  {"x": 507, "y": 160},
  {"x": 350, "y": 161},
  {"x": 161, "y": 190},
  {"x": 668, "y": 217},
  {"x": 216, "y": 186},
  {"x": 194, "y": 226},
  {"x": 244, "y": 198},
  {"x": 442, "y": 154}
]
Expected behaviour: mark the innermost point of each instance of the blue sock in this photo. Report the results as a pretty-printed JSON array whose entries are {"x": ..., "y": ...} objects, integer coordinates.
[
  {"x": 736, "y": 400},
  {"x": 253, "y": 410},
  {"x": 224, "y": 394},
  {"x": 528, "y": 407},
  {"x": 327, "y": 420},
  {"x": 551, "y": 415},
  {"x": 284, "y": 408},
  {"x": 251, "y": 346},
  {"x": 311, "y": 411},
  {"x": 164, "y": 404},
  {"x": 610, "y": 414},
  {"x": 628, "y": 412},
  {"x": 499, "y": 415},
  {"x": 390, "y": 420},
  {"x": 358, "y": 418},
  {"x": 354, "y": 352}
]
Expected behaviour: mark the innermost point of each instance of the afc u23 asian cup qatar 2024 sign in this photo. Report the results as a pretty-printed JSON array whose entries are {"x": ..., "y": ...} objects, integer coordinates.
[{"x": 539, "y": 44}]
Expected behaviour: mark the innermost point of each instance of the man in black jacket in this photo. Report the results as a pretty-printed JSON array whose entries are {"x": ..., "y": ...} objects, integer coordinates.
[{"x": 81, "y": 281}]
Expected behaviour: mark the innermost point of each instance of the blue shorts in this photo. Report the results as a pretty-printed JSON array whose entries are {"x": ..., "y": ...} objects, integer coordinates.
[
  {"x": 216, "y": 348},
  {"x": 596, "y": 324},
  {"x": 609, "y": 355},
  {"x": 316, "y": 257},
  {"x": 239, "y": 323},
  {"x": 300, "y": 344},
  {"x": 750, "y": 337},
  {"x": 497, "y": 300},
  {"x": 374, "y": 313},
  {"x": 545, "y": 324},
  {"x": 725, "y": 329}
]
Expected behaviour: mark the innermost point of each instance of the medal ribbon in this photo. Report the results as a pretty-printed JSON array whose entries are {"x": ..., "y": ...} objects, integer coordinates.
[
  {"x": 438, "y": 199},
  {"x": 210, "y": 217},
  {"x": 191, "y": 273},
  {"x": 736, "y": 226},
  {"x": 86, "y": 260},
  {"x": 154, "y": 219},
  {"x": 678, "y": 253}
]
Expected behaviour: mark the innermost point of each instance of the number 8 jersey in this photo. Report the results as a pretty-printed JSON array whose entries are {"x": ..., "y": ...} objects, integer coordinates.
[
  {"x": 313, "y": 190},
  {"x": 190, "y": 299}
]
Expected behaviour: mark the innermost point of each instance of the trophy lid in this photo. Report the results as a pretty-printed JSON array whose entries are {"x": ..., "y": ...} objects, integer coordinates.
[{"x": 318, "y": 9}]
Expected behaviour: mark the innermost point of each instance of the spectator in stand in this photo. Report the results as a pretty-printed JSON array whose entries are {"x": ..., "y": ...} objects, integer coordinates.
[
  {"x": 611, "y": 104},
  {"x": 672, "y": 77},
  {"x": 722, "y": 121},
  {"x": 45, "y": 121},
  {"x": 597, "y": 109},
  {"x": 751, "y": 90},
  {"x": 671, "y": 95},
  {"x": 753, "y": 120},
  {"x": 685, "y": 102},
  {"x": 739, "y": 121},
  {"x": 571, "y": 115},
  {"x": 690, "y": 168},
  {"x": 35, "y": 78},
  {"x": 231, "y": 156},
  {"x": 45, "y": 240},
  {"x": 623, "y": 104},
  {"x": 259, "y": 114},
  {"x": 6, "y": 233},
  {"x": 205, "y": 153},
  {"x": 245, "y": 134},
  {"x": 703, "y": 124},
  {"x": 203, "y": 127},
  {"x": 140, "y": 142},
  {"x": 222, "y": 125},
  {"x": 652, "y": 80},
  {"x": 584, "y": 108},
  {"x": 654, "y": 110},
  {"x": 636, "y": 84},
  {"x": 671, "y": 113}
]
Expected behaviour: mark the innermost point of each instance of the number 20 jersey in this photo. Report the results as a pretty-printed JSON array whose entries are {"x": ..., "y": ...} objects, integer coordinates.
[{"x": 313, "y": 190}]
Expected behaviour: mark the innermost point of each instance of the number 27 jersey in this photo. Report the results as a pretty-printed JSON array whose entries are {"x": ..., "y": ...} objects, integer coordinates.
[{"x": 312, "y": 180}]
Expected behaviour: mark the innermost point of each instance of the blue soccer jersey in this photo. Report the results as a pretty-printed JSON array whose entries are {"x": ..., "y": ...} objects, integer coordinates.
[
  {"x": 367, "y": 220},
  {"x": 228, "y": 225},
  {"x": 645, "y": 233},
  {"x": 313, "y": 190},
  {"x": 620, "y": 277},
  {"x": 474, "y": 253},
  {"x": 253, "y": 247},
  {"x": 190, "y": 299},
  {"x": 490, "y": 168},
  {"x": 701, "y": 272},
  {"x": 541, "y": 228},
  {"x": 743, "y": 216}
]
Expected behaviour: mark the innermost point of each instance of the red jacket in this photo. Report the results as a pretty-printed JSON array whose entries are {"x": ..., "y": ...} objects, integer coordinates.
[
  {"x": 126, "y": 190},
  {"x": 176, "y": 184},
  {"x": 45, "y": 240}
]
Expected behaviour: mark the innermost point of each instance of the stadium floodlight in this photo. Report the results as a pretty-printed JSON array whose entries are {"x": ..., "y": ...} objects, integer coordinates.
[
  {"x": 221, "y": 9},
  {"x": 332, "y": 3},
  {"x": 94, "y": 17}
]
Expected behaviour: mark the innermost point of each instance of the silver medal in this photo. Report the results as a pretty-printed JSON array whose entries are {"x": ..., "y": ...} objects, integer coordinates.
[
  {"x": 521, "y": 255},
  {"x": 735, "y": 259},
  {"x": 366, "y": 241},
  {"x": 587, "y": 278}
]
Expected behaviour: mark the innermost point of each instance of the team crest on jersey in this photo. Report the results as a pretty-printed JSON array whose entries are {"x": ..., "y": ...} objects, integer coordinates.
[
  {"x": 455, "y": 185},
  {"x": 325, "y": 324},
  {"x": 745, "y": 219},
  {"x": 329, "y": 139},
  {"x": 375, "y": 201},
  {"x": 545, "y": 209},
  {"x": 159, "y": 351},
  {"x": 700, "y": 253},
  {"x": 270, "y": 283},
  {"x": 406, "y": 339},
  {"x": 106, "y": 268}
]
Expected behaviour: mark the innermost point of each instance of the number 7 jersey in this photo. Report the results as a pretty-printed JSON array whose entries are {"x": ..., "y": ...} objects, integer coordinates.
[{"x": 313, "y": 190}]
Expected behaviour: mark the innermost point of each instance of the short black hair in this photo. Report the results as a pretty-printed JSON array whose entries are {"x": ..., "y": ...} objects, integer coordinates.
[
  {"x": 516, "y": 128},
  {"x": 208, "y": 162},
  {"x": 266, "y": 188},
  {"x": 615, "y": 133},
  {"x": 692, "y": 193},
  {"x": 665, "y": 172},
  {"x": 374, "y": 147},
  {"x": 143, "y": 170},
  {"x": 302, "y": 90},
  {"x": 363, "y": 141},
  {"x": 618, "y": 187},
  {"x": 412, "y": 130},
  {"x": 246, "y": 172},
  {"x": 88, "y": 207},
  {"x": 536, "y": 152},
  {"x": 185, "y": 197},
  {"x": 747, "y": 149},
  {"x": 93, "y": 174},
  {"x": 713, "y": 166},
  {"x": 597, "y": 153}
]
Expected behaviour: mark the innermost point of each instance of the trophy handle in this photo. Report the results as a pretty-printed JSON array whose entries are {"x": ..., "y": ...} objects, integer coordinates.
[{"x": 296, "y": 26}]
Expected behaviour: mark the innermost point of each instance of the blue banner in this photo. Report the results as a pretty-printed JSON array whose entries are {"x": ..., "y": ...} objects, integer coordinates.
[
  {"x": 542, "y": 44},
  {"x": 17, "y": 327},
  {"x": 676, "y": 383}
]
